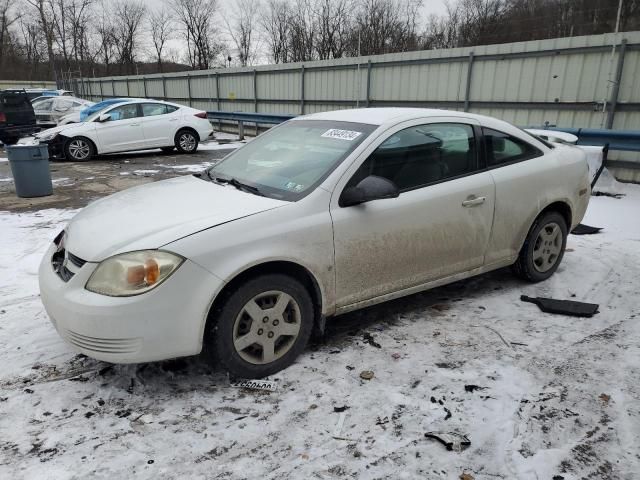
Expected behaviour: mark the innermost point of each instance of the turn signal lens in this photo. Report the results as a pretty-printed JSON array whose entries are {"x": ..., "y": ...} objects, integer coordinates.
[{"x": 133, "y": 273}]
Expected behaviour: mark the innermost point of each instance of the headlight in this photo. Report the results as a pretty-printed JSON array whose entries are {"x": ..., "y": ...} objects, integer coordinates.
[
  {"x": 47, "y": 136},
  {"x": 133, "y": 273}
]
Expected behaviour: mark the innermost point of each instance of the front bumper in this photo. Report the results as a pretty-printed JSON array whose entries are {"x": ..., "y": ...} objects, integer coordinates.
[{"x": 166, "y": 322}]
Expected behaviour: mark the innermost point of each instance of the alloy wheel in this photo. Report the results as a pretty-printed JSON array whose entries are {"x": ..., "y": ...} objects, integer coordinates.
[
  {"x": 79, "y": 149},
  {"x": 267, "y": 327},
  {"x": 547, "y": 247},
  {"x": 187, "y": 142}
]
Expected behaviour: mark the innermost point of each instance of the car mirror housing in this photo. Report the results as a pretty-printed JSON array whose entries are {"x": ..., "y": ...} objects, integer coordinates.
[
  {"x": 105, "y": 117},
  {"x": 370, "y": 188}
]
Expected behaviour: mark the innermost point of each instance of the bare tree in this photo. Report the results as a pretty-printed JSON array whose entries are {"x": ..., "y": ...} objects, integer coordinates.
[
  {"x": 241, "y": 28},
  {"x": 106, "y": 37},
  {"x": 161, "y": 27},
  {"x": 333, "y": 24},
  {"x": 276, "y": 24},
  {"x": 302, "y": 32},
  {"x": 45, "y": 12},
  {"x": 7, "y": 18},
  {"x": 196, "y": 19},
  {"x": 127, "y": 25}
]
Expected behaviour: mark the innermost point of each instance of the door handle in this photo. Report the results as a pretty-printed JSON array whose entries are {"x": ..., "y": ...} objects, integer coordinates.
[{"x": 474, "y": 201}]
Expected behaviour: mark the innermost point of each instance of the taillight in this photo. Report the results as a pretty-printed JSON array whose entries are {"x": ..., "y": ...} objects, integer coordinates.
[
  {"x": 3, "y": 117},
  {"x": 201, "y": 114}
]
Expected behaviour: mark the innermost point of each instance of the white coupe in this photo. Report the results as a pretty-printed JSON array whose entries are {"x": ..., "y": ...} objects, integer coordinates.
[
  {"x": 324, "y": 214},
  {"x": 138, "y": 124}
]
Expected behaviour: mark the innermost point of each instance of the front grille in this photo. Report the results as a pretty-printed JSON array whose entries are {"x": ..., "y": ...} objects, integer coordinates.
[{"x": 103, "y": 345}]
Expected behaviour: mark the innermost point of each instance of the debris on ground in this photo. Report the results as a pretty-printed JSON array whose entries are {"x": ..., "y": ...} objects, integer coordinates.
[
  {"x": 605, "y": 398},
  {"x": 264, "y": 385},
  {"x": 466, "y": 476},
  {"x": 396, "y": 356},
  {"x": 582, "y": 229},
  {"x": 473, "y": 388},
  {"x": 340, "y": 409},
  {"x": 366, "y": 375},
  {"x": 367, "y": 337},
  {"x": 441, "y": 307},
  {"x": 452, "y": 440},
  {"x": 563, "y": 307}
]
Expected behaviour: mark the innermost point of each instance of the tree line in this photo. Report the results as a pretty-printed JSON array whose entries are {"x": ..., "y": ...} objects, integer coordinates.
[{"x": 50, "y": 39}]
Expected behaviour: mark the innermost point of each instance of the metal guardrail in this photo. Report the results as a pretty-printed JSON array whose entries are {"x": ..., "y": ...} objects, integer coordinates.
[
  {"x": 247, "y": 117},
  {"x": 623, "y": 140}
]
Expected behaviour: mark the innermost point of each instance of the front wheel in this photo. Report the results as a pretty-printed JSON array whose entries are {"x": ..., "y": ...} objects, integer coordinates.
[
  {"x": 543, "y": 249},
  {"x": 79, "y": 149},
  {"x": 186, "y": 141},
  {"x": 261, "y": 327}
]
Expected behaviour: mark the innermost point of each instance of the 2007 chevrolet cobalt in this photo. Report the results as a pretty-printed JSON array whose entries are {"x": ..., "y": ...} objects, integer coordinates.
[{"x": 324, "y": 214}]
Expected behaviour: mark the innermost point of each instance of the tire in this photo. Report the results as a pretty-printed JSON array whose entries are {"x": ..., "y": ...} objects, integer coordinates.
[
  {"x": 543, "y": 248},
  {"x": 186, "y": 141},
  {"x": 79, "y": 149},
  {"x": 235, "y": 338},
  {"x": 167, "y": 149}
]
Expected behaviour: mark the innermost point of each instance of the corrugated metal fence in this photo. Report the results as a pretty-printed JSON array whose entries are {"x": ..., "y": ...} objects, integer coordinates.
[
  {"x": 569, "y": 82},
  {"x": 4, "y": 84}
]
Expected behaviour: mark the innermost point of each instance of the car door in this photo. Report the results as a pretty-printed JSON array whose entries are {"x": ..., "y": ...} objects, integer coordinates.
[
  {"x": 159, "y": 122},
  {"x": 438, "y": 226},
  {"x": 122, "y": 131}
]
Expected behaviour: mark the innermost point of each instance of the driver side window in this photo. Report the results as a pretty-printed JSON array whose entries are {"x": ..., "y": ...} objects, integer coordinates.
[
  {"x": 124, "y": 112},
  {"x": 422, "y": 155}
]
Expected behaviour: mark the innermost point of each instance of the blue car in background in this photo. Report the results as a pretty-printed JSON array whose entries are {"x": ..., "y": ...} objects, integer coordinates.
[{"x": 87, "y": 112}]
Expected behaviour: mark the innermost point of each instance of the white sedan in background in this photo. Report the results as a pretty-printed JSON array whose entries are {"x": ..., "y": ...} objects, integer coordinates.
[
  {"x": 131, "y": 125},
  {"x": 322, "y": 215}
]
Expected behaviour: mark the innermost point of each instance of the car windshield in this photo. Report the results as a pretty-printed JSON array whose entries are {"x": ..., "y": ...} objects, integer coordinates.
[{"x": 289, "y": 161}]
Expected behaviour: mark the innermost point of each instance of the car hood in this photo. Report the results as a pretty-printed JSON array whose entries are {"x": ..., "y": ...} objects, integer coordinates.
[
  {"x": 152, "y": 215},
  {"x": 53, "y": 130}
]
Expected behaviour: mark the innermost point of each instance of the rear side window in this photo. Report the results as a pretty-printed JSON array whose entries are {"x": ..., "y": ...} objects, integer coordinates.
[
  {"x": 503, "y": 149},
  {"x": 171, "y": 108},
  {"x": 153, "y": 109},
  {"x": 422, "y": 155}
]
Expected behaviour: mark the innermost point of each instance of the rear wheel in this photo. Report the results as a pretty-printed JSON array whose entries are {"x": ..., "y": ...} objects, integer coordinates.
[
  {"x": 79, "y": 149},
  {"x": 186, "y": 141},
  {"x": 543, "y": 249},
  {"x": 261, "y": 327}
]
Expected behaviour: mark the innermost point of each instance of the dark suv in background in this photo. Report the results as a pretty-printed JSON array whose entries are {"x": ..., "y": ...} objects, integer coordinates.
[{"x": 17, "y": 118}]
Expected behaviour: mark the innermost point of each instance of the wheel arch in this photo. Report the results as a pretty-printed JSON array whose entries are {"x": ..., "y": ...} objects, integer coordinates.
[
  {"x": 186, "y": 127},
  {"x": 561, "y": 206},
  {"x": 286, "y": 267},
  {"x": 93, "y": 143}
]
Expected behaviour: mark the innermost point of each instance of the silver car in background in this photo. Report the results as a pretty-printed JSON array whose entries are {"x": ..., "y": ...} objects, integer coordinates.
[{"x": 49, "y": 110}]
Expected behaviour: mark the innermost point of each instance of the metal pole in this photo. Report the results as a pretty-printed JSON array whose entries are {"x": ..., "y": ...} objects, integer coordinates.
[
  {"x": 101, "y": 90},
  {"x": 616, "y": 85},
  {"x": 113, "y": 88},
  {"x": 368, "y": 82},
  {"x": 164, "y": 88},
  {"x": 302, "y": 90},
  {"x": 255, "y": 93},
  {"x": 218, "y": 99},
  {"x": 189, "y": 88},
  {"x": 467, "y": 92},
  {"x": 128, "y": 93},
  {"x": 144, "y": 85}
]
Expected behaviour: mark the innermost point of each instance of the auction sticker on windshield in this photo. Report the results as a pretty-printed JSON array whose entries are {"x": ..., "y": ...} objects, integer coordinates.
[{"x": 341, "y": 134}]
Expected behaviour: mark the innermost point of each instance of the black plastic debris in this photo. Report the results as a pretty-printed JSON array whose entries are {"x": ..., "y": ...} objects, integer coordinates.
[
  {"x": 473, "y": 388},
  {"x": 340, "y": 409},
  {"x": 563, "y": 307},
  {"x": 582, "y": 229},
  {"x": 367, "y": 337},
  {"x": 452, "y": 440}
]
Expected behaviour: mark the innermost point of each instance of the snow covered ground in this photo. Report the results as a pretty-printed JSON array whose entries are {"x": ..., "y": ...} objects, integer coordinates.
[{"x": 559, "y": 400}]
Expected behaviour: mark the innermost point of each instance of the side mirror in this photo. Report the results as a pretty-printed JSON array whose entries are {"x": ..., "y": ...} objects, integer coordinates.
[
  {"x": 105, "y": 117},
  {"x": 370, "y": 188}
]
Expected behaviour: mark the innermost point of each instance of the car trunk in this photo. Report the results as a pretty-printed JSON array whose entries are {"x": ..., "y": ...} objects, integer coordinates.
[{"x": 15, "y": 109}]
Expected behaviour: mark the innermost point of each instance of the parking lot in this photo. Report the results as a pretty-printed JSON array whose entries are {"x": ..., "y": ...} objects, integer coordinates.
[{"x": 539, "y": 396}]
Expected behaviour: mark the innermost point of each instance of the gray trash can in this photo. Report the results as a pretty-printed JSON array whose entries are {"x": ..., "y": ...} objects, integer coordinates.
[{"x": 30, "y": 169}]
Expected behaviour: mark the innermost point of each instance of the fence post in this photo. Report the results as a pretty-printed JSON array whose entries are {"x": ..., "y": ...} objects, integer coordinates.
[
  {"x": 144, "y": 85},
  {"x": 218, "y": 99},
  {"x": 255, "y": 91},
  {"x": 467, "y": 91},
  {"x": 368, "y": 82},
  {"x": 113, "y": 88},
  {"x": 302, "y": 90},
  {"x": 164, "y": 88},
  {"x": 128, "y": 94},
  {"x": 101, "y": 91},
  {"x": 189, "y": 87},
  {"x": 613, "y": 101}
]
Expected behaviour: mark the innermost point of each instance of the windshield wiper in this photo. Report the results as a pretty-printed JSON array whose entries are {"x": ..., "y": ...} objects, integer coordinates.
[{"x": 238, "y": 184}]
